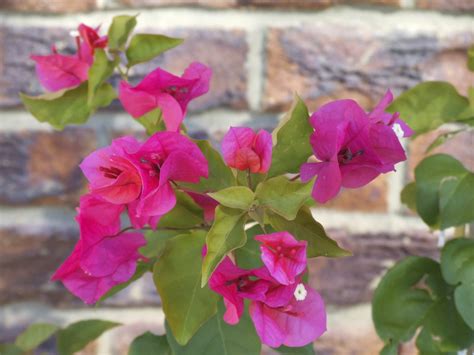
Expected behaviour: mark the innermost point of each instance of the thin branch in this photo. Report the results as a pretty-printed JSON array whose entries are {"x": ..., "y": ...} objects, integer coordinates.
[{"x": 296, "y": 177}]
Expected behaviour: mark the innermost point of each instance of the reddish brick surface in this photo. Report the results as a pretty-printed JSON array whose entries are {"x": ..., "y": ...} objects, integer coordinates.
[
  {"x": 446, "y": 5},
  {"x": 329, "y": 62},
  {"x": 48, "y": 6},
  {"x": 42, "y": 167}
]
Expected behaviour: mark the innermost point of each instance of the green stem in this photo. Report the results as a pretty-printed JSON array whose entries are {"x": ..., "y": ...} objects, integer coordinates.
[{"x": 249, "y": 179}]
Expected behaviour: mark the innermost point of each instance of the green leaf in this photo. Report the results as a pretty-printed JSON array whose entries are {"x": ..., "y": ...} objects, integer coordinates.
[
  {"x": 404, "y": 297},
  {"x": 426, "y": 344},
  {"x": 149, "y": 343},
  {"x": 145, "y": 47},
  {"x": 390, "y": 349},
  {"x": 429, "y": 175},
  {"x": 220, "y": 175},
  {"x": 304, "y": 227},
  {"x": 185, "y": 214},
  {"x": 120, "y": 30},
  {"x": 408, "y": 196},
  {"x": 226, "y": 234},
  {"x": 303, "y": 350},
  {"x": 457, "y": 265},
  {"x": 152, "y": 121},
  {"x": 457, "y": 201},
  {"x": 142, "y": 268},
  {"x": 446, "y": 328},
  {"x": 239, "y": 197},
  {"x": 156, "y": 242},
  {"x": 429, "y": 105},
  {"x": 291, "y": 141},
  {"x": 248, "y": 257},
  {"x": 68, "y": 106},
  {"x": 34, "y": 335},
  {"x": 282, "y": 196},
  {"x": 218, "y": 338},
  {"x": 464, "y": 300},
  {"x": 99, "y": 72},
  {"x": 77, "y": 335},
  {"x": 177, "y": 276},
  {"x": 10, "y": 349}
]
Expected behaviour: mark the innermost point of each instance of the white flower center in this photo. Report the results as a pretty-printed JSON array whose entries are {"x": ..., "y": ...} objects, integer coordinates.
[
  {"x": 300, "y": 292},
  {"x": 398, "y": 130},
  {"x": 74, "y": 33}
]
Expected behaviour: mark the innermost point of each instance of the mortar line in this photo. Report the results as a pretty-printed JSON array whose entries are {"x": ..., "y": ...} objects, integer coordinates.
[{"x": 255, "y": 67}]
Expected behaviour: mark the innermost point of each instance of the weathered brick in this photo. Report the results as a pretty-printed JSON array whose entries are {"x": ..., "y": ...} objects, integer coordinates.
[
  {"x": 370, "y": 198},
  {"x": 460, "y": 147},
  {"x": 48, "y": 6},
  {"x": 28, "y": 259},
  {"x": 351, "y": 280},
  {"x": 323, "y": 62},
  {"x": 42, "y": 167},
  {"x": 446, "y": 5},
  {"x": 312, "y": 4},
  {"x": 228, "y": 87}
]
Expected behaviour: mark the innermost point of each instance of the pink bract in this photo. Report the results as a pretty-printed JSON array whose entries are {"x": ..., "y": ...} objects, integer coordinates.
[
  {"x": 57, "y": 71},
  {"x": 140, "y": 175},
  {"x": 298, "y": 323},
  {"x": 103, "y": 257},
  {"x": 283, "y": 255},
  {"x": 170, "y": 93},
  {"x": 352, "y": 149},
  {"x": 243, "y": 149}
]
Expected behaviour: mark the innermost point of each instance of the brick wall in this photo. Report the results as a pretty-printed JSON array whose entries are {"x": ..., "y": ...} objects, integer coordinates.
[{"x": 261, "y": 51}]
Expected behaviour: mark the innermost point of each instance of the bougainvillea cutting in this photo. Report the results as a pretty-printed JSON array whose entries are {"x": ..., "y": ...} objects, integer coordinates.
[{"x": 228, "y": 235}]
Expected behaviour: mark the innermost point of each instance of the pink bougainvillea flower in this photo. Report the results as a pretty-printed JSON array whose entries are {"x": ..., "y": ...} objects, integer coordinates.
[
  {"x": 58, "y": 71},
  {"x": 244, "y": 149},
  {"x": 163, "y": 90},
  {"x": 352, "y": 149},
  {"x": 301, "y": 321},
  {"x": 112, "y": 173},
  {"x": 283, "y": 255},
  {"x": 140, "y": 175},
  {"x": 235, "y": 284},
  {"x": 103, "y": 257},
  {"x": 207, "y": 203},
  {"x": 401, "y": 129}
]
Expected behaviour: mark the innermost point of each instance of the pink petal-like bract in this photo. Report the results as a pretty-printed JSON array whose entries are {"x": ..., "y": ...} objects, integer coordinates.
[
  {"x": 283, "y": 255},
  {"x": 163, "y": 90},
  {"x": 296, "y": 324},
  {"x": 243, "y": 149},
  {"x": 351, "y": 146}
]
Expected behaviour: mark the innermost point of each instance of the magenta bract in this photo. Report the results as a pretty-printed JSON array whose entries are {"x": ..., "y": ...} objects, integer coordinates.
[
  {"x": 163, "y": 90},
  {"x": 243, "y": 149}
]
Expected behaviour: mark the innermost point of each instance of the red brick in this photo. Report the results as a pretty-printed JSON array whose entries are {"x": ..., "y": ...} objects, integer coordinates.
[
  {"x": 335, "y": 61},
  {"x": 48, "y": 6},
  {"x": 42, "y": 167},
  {"x": 201, "y": 3},
  {"x": 446, "y": 5}
]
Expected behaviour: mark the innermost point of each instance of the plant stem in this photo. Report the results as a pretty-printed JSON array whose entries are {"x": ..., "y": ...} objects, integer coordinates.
[
  {"x": 296, "y": 177},
  {"x": 249, "y": 179}
]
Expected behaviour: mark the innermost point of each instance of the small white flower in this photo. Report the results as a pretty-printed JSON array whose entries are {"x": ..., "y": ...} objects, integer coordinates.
[
  {"x": 398, "y": 130},
  {"x": 74, "y": 33},
  {"x": 300, "y": 292}
]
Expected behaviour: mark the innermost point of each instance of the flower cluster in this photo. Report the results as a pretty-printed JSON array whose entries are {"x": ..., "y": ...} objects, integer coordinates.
[
  {"x": 284, "y": 310},
  {"x": 353, "y": 147}
]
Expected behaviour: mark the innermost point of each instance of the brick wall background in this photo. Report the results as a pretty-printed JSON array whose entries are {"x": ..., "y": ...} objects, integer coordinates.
[{"x": 261, "y": 51}]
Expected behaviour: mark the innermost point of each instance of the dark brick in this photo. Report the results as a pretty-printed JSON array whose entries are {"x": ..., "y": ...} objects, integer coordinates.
[
  {"x": 446, "y": 5},
  {"x": 28, "y": 259},
  {"x": 42, "y": 167},
  {"x": 48, "y": 6},
  {"x": 350, "y": 280},
  {"x": 337, "y": 61},
  {"x": 228, "y": 87}
]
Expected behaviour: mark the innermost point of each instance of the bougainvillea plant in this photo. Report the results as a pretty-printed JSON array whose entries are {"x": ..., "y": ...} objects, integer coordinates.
[{"x": 227, "y": 235}]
